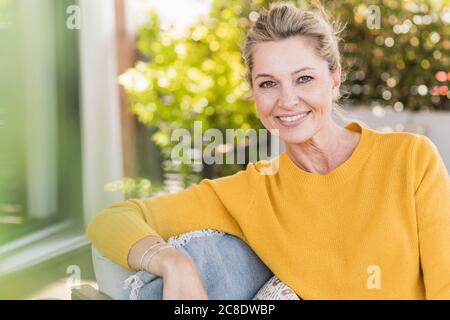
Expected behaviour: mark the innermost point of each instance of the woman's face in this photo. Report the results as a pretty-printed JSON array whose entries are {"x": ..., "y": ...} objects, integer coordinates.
[{"x": 293, "y": 88}]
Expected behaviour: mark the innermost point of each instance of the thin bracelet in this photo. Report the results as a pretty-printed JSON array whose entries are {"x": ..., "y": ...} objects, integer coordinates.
[
  {"x": 147, "y": 251},
  {"x": 155, "y": 252}
]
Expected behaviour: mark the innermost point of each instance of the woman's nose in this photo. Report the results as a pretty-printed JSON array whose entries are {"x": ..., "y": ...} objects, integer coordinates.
[{"x": 288, "y": 97}]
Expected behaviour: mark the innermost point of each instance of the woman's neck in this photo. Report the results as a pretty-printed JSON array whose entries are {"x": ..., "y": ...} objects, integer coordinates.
[{"x": 326, "y": 150}]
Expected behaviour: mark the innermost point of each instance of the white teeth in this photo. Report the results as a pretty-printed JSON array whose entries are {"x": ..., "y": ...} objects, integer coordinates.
[{"x": 294, "y": 118}]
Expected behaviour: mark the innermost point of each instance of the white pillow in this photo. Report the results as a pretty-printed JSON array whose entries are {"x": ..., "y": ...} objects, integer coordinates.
[{"x": 275, "y": 289}]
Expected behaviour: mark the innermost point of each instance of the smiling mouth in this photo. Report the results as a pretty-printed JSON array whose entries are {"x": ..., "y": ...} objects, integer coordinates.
[{"x": 294, "y": 118}]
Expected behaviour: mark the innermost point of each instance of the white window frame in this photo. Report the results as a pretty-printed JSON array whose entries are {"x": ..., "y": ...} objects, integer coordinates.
[{"x": 100, "y": 109}]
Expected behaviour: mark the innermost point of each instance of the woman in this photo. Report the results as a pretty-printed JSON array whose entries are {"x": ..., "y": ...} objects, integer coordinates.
[{"x": 350, "y": 213}]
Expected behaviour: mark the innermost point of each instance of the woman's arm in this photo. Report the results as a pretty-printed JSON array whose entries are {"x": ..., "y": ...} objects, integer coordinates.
[
  {"x": 217, "y": 204},
  {"x": 432, "y": 199}
]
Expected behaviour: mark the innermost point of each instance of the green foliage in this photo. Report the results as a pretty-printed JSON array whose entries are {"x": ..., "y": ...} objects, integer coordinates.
[
  {"x": 134, "y": 188},
  {"x": 198, "y": 76},
  {"x": 396, "y": 65},
  {"x": 195, "y": 77}
]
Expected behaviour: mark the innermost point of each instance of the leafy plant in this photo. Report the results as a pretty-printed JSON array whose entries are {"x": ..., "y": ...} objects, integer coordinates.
[{"x": 134, "y": 188}]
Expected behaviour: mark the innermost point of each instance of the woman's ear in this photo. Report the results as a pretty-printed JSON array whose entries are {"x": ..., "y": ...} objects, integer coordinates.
[
  {"x": 337, "y": 77},
  {"x": 336, "y": 82}
]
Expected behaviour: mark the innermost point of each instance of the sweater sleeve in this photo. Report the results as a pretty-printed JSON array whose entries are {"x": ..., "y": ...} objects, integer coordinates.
[
  {"x": 432, "y": 201},
  {"x": 219, "y": 204}
]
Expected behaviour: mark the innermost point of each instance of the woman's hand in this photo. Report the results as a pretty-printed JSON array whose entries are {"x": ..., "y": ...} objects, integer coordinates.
[
  {"x": 182, "y": 280},
  {"x": 180, "y": 276}
]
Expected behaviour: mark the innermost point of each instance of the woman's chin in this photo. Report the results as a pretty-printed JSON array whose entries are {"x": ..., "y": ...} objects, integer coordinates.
[
  {"x": 293, "y": 140},
  {"x": 294, "y": 137},
  {"x": 291, "y": 135}
]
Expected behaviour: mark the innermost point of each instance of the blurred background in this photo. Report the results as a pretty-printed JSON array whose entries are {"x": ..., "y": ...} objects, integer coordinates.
[{"x": 90, "y": 92}]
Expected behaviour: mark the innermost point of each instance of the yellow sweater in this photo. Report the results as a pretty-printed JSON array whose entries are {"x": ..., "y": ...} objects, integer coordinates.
[{"x": 376, "y": 227}]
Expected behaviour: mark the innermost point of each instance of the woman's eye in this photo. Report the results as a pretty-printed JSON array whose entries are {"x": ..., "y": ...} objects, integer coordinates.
[
  {"x": 270, "y": 83},
  {"x": 267, "y": 84},
  {"x": 304, "y": 79}
]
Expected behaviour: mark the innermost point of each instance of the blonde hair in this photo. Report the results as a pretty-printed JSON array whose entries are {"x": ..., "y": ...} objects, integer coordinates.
[{"x": 284, "y": 20}]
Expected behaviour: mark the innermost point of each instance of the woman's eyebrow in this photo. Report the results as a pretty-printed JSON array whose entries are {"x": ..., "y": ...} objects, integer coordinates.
[{"x": 269, "y": 75}]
